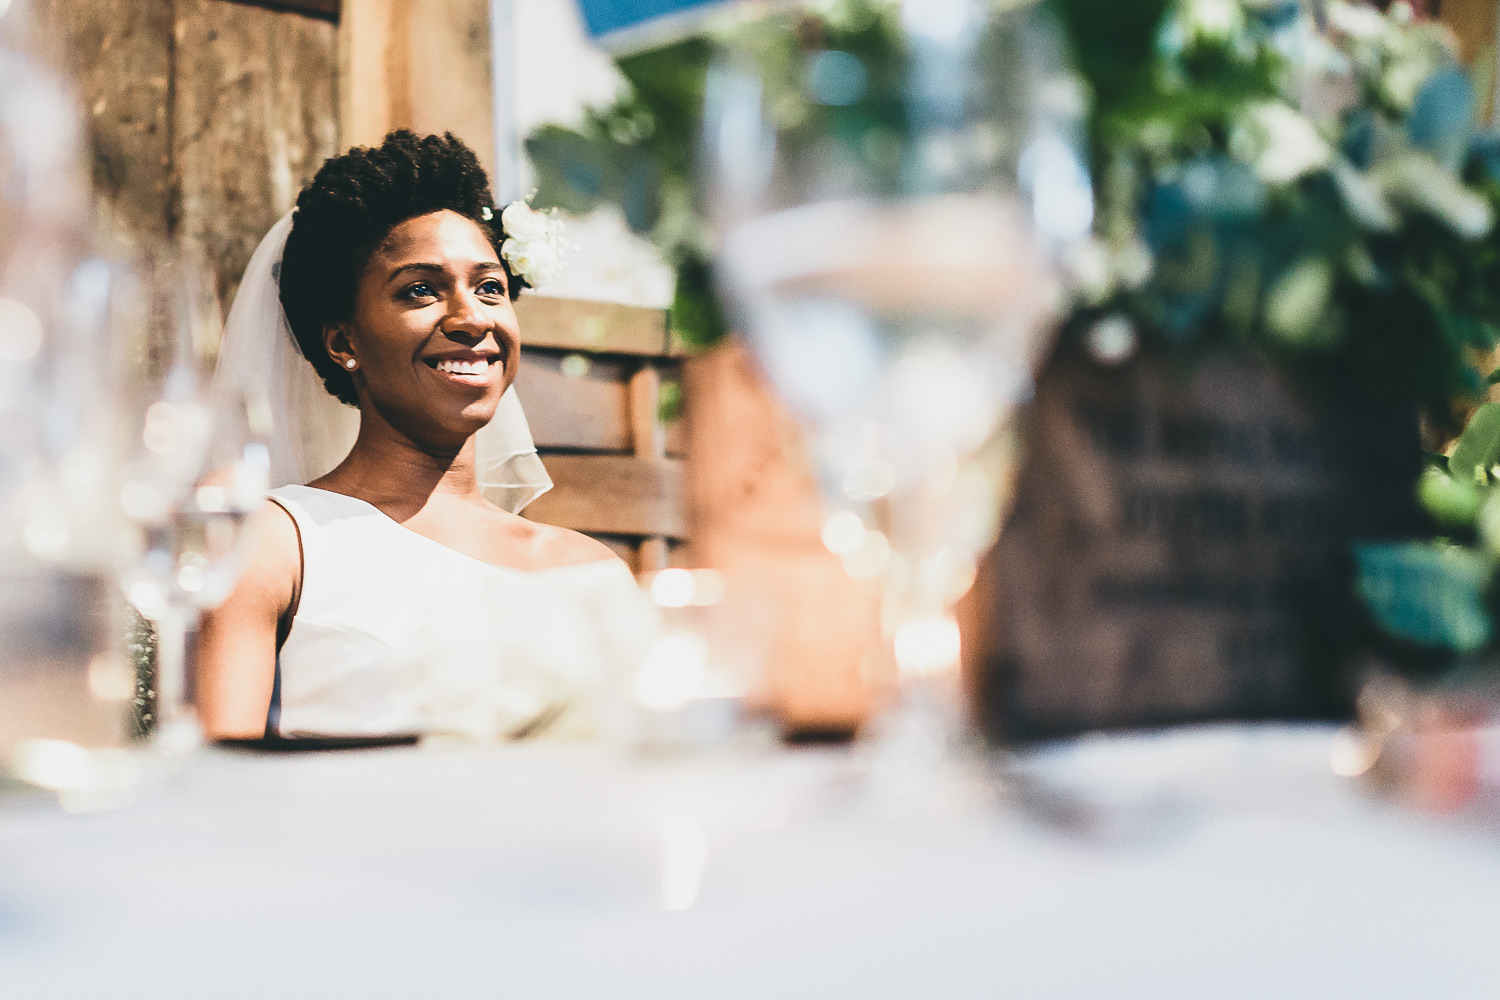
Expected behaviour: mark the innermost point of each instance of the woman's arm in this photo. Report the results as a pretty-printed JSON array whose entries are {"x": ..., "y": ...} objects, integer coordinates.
[{"x": 237, "y": 643}]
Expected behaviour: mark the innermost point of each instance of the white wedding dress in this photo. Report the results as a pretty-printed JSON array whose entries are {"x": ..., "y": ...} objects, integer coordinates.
[{"x": 396, "y": 633}]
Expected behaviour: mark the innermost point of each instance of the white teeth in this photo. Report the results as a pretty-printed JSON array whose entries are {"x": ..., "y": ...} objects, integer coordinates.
[{"x": 464, "y": 367}]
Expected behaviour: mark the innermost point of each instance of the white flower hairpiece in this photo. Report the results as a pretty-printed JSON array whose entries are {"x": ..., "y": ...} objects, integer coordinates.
[{"x": 533, "y": 245}]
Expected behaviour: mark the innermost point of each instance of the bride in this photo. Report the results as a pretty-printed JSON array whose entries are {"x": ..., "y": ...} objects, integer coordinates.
[{"x": 388, "y": 595}]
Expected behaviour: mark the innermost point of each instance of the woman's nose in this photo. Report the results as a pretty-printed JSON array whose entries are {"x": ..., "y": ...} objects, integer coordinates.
[{"x": 466, "y": 320}]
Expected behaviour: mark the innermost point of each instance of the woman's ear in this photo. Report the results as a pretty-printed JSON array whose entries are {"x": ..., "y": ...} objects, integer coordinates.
[{"x": 340, "y": 347}]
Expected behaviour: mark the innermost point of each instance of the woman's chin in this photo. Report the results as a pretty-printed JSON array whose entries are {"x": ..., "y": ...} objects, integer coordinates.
[
  {"x": 479, "y": 414},
  {"x": 442, "y": 430}
]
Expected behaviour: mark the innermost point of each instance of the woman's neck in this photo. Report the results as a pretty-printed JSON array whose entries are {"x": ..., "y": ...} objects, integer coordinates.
[{"x": 394, "y": 472}]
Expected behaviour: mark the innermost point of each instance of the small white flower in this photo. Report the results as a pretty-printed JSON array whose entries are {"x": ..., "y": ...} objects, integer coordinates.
[
  {"x": 1279, "y": 142},
  {"x": 533, "y": 248},
  {"x": 1418, "y": 181},
  {"x": 1087, "y": 262},
  {"x": 1364, "y": 199},
  {"x": 1212, "y": 19},
  {"x": 1112, "y": 340},
  {"x": 537, "y": 261},
  {"x": 522, "y": 222},
  {"x": 1356, "y": 20}
]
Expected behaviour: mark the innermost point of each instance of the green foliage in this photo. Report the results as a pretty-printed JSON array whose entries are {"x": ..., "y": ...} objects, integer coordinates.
[
  {"x": 637, "y": 153},
  {"x": 1430, "y": 595},
  {"x": 1478, "y": 448},
  {"x": 1318, "y": 192},
  {"x": 1442, "y": 595}
]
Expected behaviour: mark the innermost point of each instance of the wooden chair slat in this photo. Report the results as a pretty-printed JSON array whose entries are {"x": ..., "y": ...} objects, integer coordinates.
[
  {"x": 594, "y": 327},
  {"x": 614, "y": 494},
  {"x": 588, "y": 411}
]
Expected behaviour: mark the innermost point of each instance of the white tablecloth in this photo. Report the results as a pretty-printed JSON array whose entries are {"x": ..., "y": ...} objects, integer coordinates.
[{"x": 1219, "y": 862}]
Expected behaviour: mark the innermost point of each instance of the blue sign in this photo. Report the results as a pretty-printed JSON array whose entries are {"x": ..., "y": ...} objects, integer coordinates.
[{"x": 606, "y": 16}]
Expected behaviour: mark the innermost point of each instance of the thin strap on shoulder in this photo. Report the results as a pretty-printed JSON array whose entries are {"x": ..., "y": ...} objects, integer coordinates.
[{"x": 284, "y": 626}]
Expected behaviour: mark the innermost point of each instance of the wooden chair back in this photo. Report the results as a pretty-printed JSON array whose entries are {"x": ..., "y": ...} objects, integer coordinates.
[{"x": 594, "y": 379}]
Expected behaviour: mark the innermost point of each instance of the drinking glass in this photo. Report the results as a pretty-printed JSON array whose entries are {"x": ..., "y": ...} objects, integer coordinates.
[
  {"x": 64, "y": 686},
  {"x": 888, "y": 186},
  {"x": 197, "y": 466}
]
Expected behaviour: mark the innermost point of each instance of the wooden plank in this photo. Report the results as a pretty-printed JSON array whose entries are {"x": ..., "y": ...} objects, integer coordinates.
[
  {"x": 1473, "y": 23},
  {"x": 646, "y": 433},
  {"x": 652, "y": 555},
  {"x": 594, "y": 327},
  {"x": 255, "y": 109},
  {"x": 676, "y": 443},
  {"x": 613, "y": 494},
  {"x": 584, "y": 409},
  {"x": 417, "y": 64},
  {"x": 327, "y": 10},
  {"x": 117, "y": 59}
]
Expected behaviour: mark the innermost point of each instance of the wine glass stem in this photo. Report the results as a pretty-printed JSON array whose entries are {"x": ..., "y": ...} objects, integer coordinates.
[{"x": 176, "y": 722}]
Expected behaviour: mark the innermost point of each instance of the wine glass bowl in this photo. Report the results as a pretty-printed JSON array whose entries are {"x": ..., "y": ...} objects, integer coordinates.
[
  {"x": 196, "y": 465},
  {"x": 888, "y": 189}
]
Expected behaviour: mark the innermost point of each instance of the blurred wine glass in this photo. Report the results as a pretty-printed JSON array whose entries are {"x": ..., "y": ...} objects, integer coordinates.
[
  {"x": 196, "y": 466},
  {"x": 888, "y": 186},
  {"x": 64, "y": 685}
]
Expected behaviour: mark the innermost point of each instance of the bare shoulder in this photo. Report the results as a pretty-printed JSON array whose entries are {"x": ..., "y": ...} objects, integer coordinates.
[
  {"x": 235, "y": 657},
  {"x": 276, "y": 541},
  {"x": 273, "y": 569},
  {"x": 564, "y": 547}
]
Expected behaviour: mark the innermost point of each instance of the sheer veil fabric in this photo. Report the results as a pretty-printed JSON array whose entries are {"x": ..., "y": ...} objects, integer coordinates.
[{"x": 312, "y": 431}]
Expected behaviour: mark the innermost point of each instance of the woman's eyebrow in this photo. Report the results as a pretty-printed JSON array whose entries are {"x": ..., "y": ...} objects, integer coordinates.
[
  {"x": 427, "y": 268},
  {"x": 416, "y": 266}
]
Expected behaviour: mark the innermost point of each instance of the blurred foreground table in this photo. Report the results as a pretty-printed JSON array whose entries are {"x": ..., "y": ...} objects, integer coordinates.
[{"x": 1216, "y": 862}]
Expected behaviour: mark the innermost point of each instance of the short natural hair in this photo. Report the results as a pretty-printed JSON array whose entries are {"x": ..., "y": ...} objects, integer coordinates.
[{"x": 349, "y": 209}]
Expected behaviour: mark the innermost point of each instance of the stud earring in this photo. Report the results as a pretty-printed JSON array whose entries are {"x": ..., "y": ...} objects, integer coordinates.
[{"x": 351, "y": 364}]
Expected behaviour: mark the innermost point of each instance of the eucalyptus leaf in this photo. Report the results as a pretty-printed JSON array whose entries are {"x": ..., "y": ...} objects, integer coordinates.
[
  {"x": 1430, "y": 595},
  {"x": 571, "y": 170},
  {"x": 1441, "y": 121},
  {"x": 1297, "y": 300},
  {"x": 1479, "y": 445},
  {"x": 696, "y": 316},
  {"x": 1453, "y": 503}
]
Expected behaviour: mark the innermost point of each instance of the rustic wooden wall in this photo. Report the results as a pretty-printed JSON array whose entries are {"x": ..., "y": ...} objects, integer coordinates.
[
  {"x": 255, "y": 114},
  {"x": 418, "y": 64},
  {"x": 1473, "y": 21},
  {"x": 205, "y": 116}
]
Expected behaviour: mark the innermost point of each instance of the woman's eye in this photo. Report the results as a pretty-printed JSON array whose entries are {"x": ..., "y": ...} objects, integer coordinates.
[
  {"x": 421, "y": 290},
  {"x": 492, "y": 286}
]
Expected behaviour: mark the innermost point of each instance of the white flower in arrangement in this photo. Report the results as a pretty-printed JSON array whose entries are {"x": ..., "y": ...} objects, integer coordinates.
[
  {"x": 1212, "y": 19},
  {"x": 533, "y": 248},
  {"x": 537, "y": 262},
  {"x": 522, "y": 222},
  {"x": 1279, "y": 142},
  {"x": 1418, "y": 181},
  {"x": 1358, "y": 21},
  {"x": 1364, "y": 199}
]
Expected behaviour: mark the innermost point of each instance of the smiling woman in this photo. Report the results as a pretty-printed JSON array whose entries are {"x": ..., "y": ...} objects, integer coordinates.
[{"x": 389, "y": 596}]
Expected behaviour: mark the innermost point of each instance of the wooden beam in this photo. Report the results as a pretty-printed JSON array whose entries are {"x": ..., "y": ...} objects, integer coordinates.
[
  {"x": 324, "y": 10},
  {"x": 648, "y": 439},
  {"x": 418, "y": 64},
  {"x": 255, "y": 113},
  {"x": 613, "y": 494},
  {"x": 117, "y": 58},
  {"x": 594, "y": 327},
  {"x": 584, "y": 410}
]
